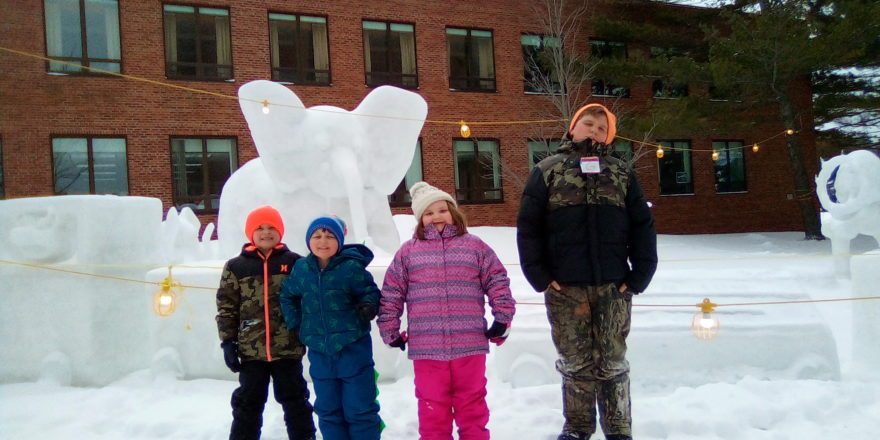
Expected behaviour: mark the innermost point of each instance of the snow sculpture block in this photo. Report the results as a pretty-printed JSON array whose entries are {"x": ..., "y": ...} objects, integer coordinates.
[
  {"x": 322, "y": 160},
  {"x": 848, "y": 187}
]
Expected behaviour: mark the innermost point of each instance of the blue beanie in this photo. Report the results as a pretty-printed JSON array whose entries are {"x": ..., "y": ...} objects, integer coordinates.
[{"x": 333, "y": 224}]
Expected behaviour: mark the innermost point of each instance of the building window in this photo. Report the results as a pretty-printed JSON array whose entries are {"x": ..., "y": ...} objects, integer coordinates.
[
  {"x": 675, "y": 168},
  {"x": 82, "y": 32},
  {"x": 471, "y": 60},
  {"x": 2, "y": 187},
  {"x": 390, "y": 54},
  {"x": 477, "y": 171},
  {"x": 665, "y": 90},
  {"x": 540, "y": 149},
  {"x": 200, "y": 168},
  {"x": 300, "y": 53},
  {"x": 197, "y": 43},
  {"x": 89, "y": 166},
  {"x": 609, "y": 50},
  {"x": 538, "y": 75},
  {"x": 730, "y": 167},
  {"x": 623, "y": 150},
  {"x": 400, "y": 196}
]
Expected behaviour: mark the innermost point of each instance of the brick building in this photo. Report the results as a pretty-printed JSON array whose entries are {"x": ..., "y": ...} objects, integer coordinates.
[{"x": 64, "y": 130}]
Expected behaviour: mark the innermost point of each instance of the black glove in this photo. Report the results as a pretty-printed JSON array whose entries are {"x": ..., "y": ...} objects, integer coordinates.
[
  {"x": 230, "y": 355},
  {"x": 498, "y": 330},
  {"x": 366, "y": 311},
  {"x": 400, "y": 343}
]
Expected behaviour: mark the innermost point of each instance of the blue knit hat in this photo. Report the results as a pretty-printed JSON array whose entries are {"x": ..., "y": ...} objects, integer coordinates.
[{"x": 333, "y": 224}]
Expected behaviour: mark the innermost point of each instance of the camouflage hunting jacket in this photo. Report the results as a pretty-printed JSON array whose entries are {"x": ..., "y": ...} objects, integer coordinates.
[
  {"x": 585, "y": 229},
  {"x": 248, "y": 307}
]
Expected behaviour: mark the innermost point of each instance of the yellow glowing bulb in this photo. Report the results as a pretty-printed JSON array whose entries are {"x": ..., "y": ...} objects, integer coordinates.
[
  {"x": 705, "y": 325},
  {"x": 265, "y": 107},
  {"x": 465, "y": 130},
  {"x": 789, "y": 132},
  {"x": 715, "y": 155},
  {"x": 660, "y": 153},
  {"x": 165, "y": 300},
  {"x": 755, "y": 148}
]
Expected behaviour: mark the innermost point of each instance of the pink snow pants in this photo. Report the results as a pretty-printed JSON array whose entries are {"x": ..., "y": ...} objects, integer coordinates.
[{"x": 449, "y": 390}]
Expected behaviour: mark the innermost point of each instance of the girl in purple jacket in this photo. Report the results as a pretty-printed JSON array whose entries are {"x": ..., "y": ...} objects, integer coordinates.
[{"x": 442, "y": 275}]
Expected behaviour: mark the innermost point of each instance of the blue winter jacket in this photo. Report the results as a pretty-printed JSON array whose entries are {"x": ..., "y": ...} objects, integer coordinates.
[{"x": 322, "y": 303}]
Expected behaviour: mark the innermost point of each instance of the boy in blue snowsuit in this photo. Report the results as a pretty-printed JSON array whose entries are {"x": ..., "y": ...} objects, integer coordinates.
[{"x": 330, "y": 299}]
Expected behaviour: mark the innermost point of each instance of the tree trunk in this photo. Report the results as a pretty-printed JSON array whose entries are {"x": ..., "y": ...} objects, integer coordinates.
[{"x": 804, "y": 194}]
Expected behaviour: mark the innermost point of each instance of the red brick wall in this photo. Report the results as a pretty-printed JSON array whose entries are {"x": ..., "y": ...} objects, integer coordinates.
[{"x": 34, "y": 106}]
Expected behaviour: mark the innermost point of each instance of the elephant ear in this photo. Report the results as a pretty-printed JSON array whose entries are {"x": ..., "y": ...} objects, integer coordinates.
[
  {"x": 277, "y": 128},
  {"x": 855, "y": 168},
  {"x": 392, "y": 119}
]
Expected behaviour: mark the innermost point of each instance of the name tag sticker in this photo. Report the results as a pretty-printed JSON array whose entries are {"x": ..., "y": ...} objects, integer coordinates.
[{"x": 590, "y": 165}]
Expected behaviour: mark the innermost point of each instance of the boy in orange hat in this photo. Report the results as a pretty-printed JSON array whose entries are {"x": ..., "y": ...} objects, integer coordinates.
[
  {"x": 256, "y": 343},
  {"x": 586, "y": 239}
]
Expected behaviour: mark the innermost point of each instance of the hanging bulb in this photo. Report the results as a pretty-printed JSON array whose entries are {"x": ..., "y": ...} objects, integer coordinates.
[
  {"x": 789, "y": 132},
  {"x": 715, "y": 155},
  {"x": 465, "y": 130},
  {"x": 755, "y": 148},
  {"x": 705, "y": 325},
  {"x": 165, "y": 299},
  {"x": 265, "y": 107},
  {"x": 659, "y": 152}
]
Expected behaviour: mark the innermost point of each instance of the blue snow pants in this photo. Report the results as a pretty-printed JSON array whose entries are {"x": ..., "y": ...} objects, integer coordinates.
[{"x": 345, "y": 392}]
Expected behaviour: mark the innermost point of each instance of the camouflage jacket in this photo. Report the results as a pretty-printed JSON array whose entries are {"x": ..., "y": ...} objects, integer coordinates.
[
  {"x": 585, "y": 229},
  {"x": 245, "y": 298}
]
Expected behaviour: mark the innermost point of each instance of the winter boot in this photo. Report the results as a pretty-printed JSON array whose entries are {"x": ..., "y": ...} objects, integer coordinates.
[
  {"x": 573, "y": 435},
  {"x": 617, "y": 437}
]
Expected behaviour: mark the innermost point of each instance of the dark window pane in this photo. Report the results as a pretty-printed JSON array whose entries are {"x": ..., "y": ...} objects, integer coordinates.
[
  {"x": 477, "y": 171},
  {"x": 675, "y": 168},
  {"x": 197, "y": 42},
  {"x": 70, "y": 162},
  {"x": 471, "y": 59},
  {"x": 730, "y": 174},
  {"x": 200, "y": 168}
]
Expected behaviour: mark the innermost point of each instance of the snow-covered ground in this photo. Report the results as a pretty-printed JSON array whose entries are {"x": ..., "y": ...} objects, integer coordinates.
[{"x": 786, "y": 371}]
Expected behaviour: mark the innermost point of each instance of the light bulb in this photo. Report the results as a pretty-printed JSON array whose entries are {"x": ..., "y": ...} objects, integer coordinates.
[
  {"x": 715, "y": 155},
  {"x": 265, "y": 107},
  {"x": 165, "y": 299},
  {"x": 465, "y": 130},
  {"x": 789, "y": 132},
  {"x": 660, "y": 153},
  {"x": 755, "y": 148},
  {"x": 705, "y": 325}
]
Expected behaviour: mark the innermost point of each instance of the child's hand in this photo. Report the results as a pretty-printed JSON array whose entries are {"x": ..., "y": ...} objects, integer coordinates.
[
  {"x": 366, "y": 311},
  {"x": 400, "y": 342},
  {"x": 498, "y": 333},
  {"x": 230, "y": 355}
]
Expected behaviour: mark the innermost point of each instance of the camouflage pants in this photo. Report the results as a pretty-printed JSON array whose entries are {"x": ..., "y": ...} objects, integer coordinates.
[{"x": 589, "y": 326}]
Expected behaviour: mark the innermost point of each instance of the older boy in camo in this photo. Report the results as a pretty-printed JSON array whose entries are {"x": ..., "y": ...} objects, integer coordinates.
[
  {"x": 256, "y": 342},
  {"x": 586, "y": 239}
]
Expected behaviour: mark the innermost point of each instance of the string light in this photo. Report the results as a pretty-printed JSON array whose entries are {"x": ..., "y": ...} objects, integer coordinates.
[
  {"x": 755, "y": 148},
  {"x": 789, "y": 132},
  {"x": 265, "y": 107},
  {"x": 715, "y": 155},
  {"x": 659, "y": 152},
  {"x": 705, "y": 325},
  {"x": 165, "y": 299},
  {"x": 464, "y": 129}
]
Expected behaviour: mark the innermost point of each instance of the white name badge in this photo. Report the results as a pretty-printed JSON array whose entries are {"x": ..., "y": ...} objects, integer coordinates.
[{"x": 590, "y": 165}]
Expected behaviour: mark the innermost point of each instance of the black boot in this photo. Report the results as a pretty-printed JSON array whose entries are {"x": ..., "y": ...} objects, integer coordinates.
[{"x": 573, "y": 435}]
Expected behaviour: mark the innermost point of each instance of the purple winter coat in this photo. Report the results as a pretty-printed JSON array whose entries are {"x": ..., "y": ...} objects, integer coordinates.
[{"x": 443, "y": 280}]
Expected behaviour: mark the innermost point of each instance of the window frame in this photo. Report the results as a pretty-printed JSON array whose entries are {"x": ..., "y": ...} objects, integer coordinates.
[
  {"x": 456, "y": 173},
  {"x": 470, "y": 79},
  {"x": 400, "y": 197},
  {"x": 669, "y": 148},
  {"x": 206, "y": 181},
  {"x": 726, "y": 151},
  {"x": 388, "y": 75},
  {"x": 90, "y": 162},
  {"x": 198, "y": 64},
  {"x": 558, "y": 89},
  {"x": 300, "y": 72},
  {"x": 84, "y": 59}
]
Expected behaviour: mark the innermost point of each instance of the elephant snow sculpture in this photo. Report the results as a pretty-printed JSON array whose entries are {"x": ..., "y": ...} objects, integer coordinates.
[
  {"x": 848, "y": 187},
  {"x": 322, "y": 160}
]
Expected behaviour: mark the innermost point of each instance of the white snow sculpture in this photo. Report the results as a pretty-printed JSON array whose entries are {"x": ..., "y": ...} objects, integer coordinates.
[
  {"x": 322, "y": 160},
  {"x": 848, "y": 187}
]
